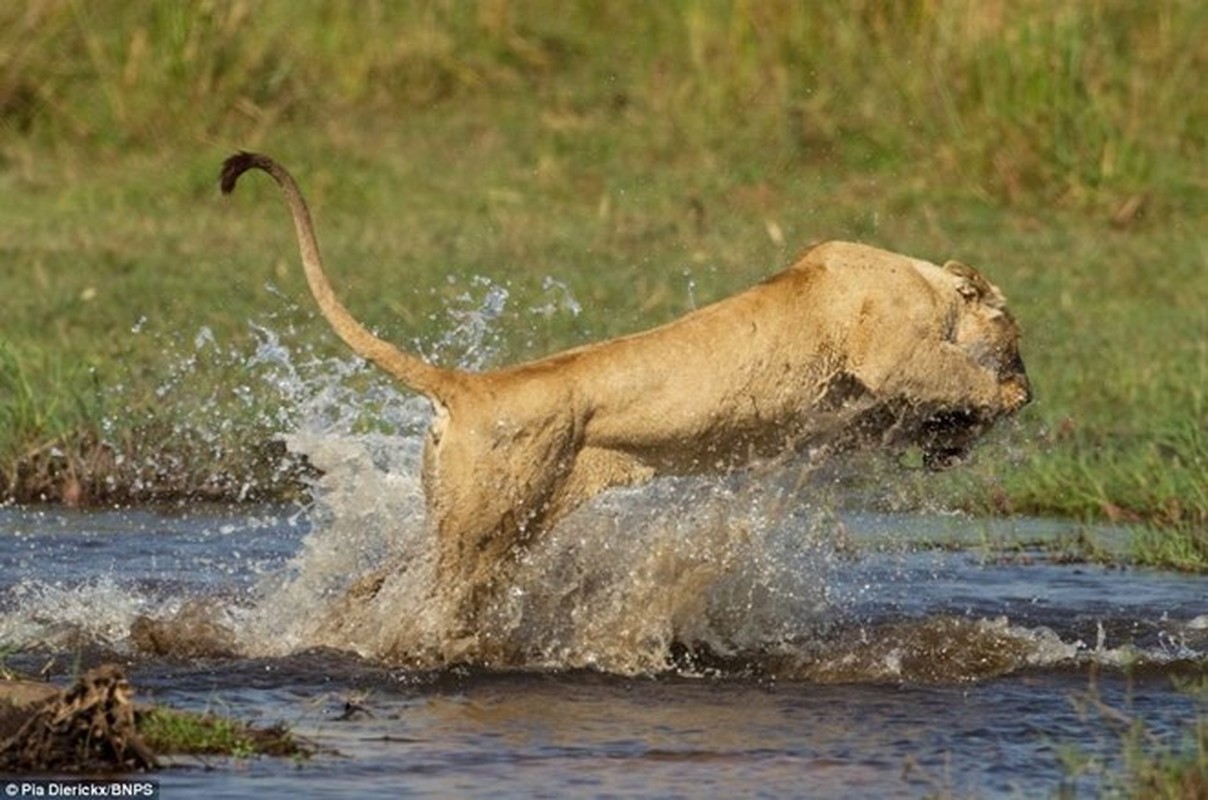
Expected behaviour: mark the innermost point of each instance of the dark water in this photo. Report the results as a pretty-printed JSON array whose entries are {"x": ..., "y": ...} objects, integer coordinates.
[{"x": 808, "y": 655}]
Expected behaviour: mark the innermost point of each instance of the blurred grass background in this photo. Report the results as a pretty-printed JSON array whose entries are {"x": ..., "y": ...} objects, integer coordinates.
[{"x": 648, "y": 156}]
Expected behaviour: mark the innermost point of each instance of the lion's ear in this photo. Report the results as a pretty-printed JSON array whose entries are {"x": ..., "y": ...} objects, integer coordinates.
[{"x": 972, "y": 286}]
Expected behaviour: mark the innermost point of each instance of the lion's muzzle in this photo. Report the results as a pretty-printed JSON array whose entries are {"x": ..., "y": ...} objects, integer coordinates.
[
  {"x": 1016, "y": 393},
  {"x": 1016, "y": 388}
]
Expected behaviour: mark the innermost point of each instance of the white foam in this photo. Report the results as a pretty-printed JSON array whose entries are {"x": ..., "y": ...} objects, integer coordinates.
[{"x": 55, "y": 616}]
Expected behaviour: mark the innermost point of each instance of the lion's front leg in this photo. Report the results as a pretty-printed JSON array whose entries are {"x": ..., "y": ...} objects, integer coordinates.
[
  {"x": 950, "y": 399},
  {"x": 941, "y": 374}
]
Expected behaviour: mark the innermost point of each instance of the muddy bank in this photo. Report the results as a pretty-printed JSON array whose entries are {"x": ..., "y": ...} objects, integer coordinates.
[{"x": 81, "y": 470}]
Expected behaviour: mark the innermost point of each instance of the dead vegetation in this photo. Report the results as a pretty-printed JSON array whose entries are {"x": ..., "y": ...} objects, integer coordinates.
[
  {"x": 90, "y": 727},
  {"x": 94, "y": 726}
]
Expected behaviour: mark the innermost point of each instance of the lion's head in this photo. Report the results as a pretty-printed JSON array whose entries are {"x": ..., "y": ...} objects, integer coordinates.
[{"x": 985, "y": 329}]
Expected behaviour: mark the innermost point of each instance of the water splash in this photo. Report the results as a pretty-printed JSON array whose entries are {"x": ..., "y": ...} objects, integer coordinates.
[
  {"x": 368, "y": 512},
  {"x": 618, "y": 586},
  {"x": 633, "y": 579},
  {"x": 58, "y": 616},
  {"x": 472, "y": 340},
  {"x": 558, "y": 300}
]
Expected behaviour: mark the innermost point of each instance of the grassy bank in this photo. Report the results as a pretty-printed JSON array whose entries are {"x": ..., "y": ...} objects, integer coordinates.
[
  {"x": 647, "y": 156},
  {"x": 172, "y": 732}
]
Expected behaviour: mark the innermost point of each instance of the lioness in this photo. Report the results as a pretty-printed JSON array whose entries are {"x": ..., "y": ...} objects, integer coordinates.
[{"x": 849, "y": 346}]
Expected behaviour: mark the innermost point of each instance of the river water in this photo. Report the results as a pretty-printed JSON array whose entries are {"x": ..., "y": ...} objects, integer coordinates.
[{"x": 691, "y": 638}]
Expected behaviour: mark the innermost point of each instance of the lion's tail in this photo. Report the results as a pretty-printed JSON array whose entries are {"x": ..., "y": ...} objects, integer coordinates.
[{"x": 416, "y": 373}]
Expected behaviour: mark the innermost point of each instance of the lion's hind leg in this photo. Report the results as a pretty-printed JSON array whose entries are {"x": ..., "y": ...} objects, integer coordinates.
[
  {"x": 491, "y": 485},
  {"x": 597, "y": 469}
]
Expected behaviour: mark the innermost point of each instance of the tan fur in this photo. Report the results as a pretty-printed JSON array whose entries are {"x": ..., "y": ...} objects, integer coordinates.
[{"x": 849, "y": 346}]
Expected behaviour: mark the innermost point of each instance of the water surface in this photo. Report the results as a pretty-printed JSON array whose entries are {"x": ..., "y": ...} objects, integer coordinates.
[{"x": 829, "y": 653}]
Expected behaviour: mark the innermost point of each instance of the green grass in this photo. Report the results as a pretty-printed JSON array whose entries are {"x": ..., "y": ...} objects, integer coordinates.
[
  {"x": 1172, "y": 773},
  {"x": 648, "y": 156},
  {"x": 168, "y": 731},
  {"x": 1152, "y": 767}
]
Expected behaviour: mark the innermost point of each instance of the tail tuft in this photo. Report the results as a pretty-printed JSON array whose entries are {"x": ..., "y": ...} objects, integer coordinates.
[{"x": 238, "y": 164}]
